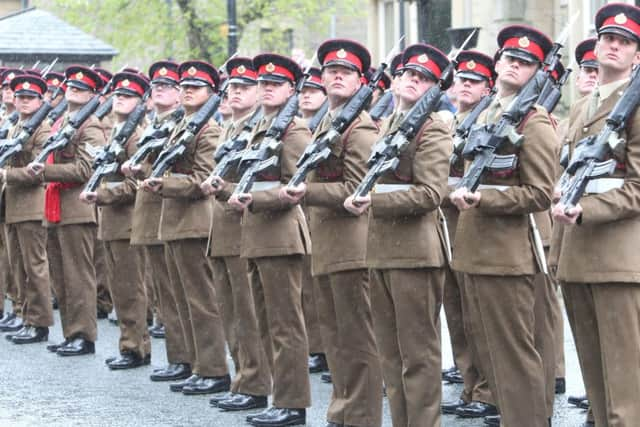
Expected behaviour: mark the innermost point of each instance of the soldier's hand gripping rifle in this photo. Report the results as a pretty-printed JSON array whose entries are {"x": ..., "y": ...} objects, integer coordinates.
[
  {"x": 109, "y": 157},
  {"x": 596, "y": 156},
  {"x": 266, "y": 154},
  {"x": 463, "y": 130},
  {"x": 384, "y": 155},
  {"x": 229, "y": 153},
  {"x": 11, "y": 120},
  {"x": 155, "y": 137},
  {"x": 485, "y": 141},
  {"x": 169, "y": 155},
  {"x": 319, "y": 150},
  {"x": 62, "y": 138}
]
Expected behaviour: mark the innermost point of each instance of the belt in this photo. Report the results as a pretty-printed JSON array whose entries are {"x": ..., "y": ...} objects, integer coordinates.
[
  {"x": 389, "y": 188},
  {"x": 453, "y": 180},
  {"x": 111, "y": 184},
  {"x": 493, "y": 187},
  {"x": 265, "y": 185},
  {"x": 602, "y": 185},
  {"x": 176, "y": 175}
]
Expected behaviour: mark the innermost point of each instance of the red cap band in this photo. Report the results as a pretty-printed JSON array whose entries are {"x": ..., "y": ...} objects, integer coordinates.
[
  {"x": 424, "y": 61},
  {"x": 272, "y": 68},
  {"x": 28, "y": 86},
  {"x": 524, "y": 43},
  {"x": 622, "y": 21},
  {"x": 194, "y": 73},
  {"x": 242, "y": 71},
  {"x": 475, "y": 67},
  {"x": 130, "y": 85},
  {"x": 344, "y": 55},
  {"x": 164, "y": 72},
  {"x": 82, "y": 77}
]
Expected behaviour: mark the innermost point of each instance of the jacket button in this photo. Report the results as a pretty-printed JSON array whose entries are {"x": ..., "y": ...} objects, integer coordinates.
[{"x": 585, "y": 130}]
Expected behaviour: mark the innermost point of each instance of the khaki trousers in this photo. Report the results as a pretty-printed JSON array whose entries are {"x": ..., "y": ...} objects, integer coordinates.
[
  {"x": 310, "y": 310},
  {"x": 125, "y": 276},
  {"x": 190, "y": 275},
  {"x": 406, "y": 317},
  {"x": 104, "y": 301},
  {"x": 605, "y": 320},
  {"x": 76, "y": 285},
  {"x": 276, "y": 288},
  {"x": 558, "y": 331},
  {"x": 7, "y": 278},
  {"x": 27, "y": 245},
  {"x": 545, "y": 338},
  {"x": 154, "y": 261},
  {"x": 241, "y": 326},
  {"x": 344, "y": 307},
  {"x": 152, "y": 297},
  {"x": 506, "y": 340}
]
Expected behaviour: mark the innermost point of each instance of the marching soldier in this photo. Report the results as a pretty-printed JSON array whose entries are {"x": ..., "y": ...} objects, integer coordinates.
[
  {"x": 252, "y": 382},
  {"x": 184, "y": 227},
  {"x": 474, "y": 79},
  {"x": 597, "y": 263},
  {"x": 274, "y": 240},
  {"x": 125, "y": 267},
  {"x": 74, "y": 222},
  {"x": 24, "y": 206},
  {"x": 501, "y": 276}
]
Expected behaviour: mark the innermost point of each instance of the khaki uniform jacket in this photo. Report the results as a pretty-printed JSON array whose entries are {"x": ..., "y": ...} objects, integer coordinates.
[
  {"x": 494, "y": 238},
  {"x": 404, "y": 230},
  {"x": 558, "y": 229},
  {"x": 116, "y": 197},
  {"x": 145, "y": 221},
  {"x": 604, "y": 246},
  {"x": 73, "y": 165},
  {"x": 339, "y": 237},
  {"x": 186, "y": 211},
  {"x": 225, "y": 227},
  {"x": 24, "y": 194},
  {"x": 271, "y": 227}
]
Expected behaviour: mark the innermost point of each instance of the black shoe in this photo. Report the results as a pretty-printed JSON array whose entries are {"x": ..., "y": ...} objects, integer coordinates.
[
  {"x": 450, "y": 370},
  {"x": 9, "y": 335},
  {"x": 326, "y": 378},
  {"x": 129, "y": 360},
  {"x": 454, "y": 378},
  {"x": 450, "y": 407},
  {"x": 492, "y": 420},
  {"x": 102, "y": 314},
  {"x": 217, "y": 399},
  {"x": 243, "y": 402},
  {"x": 317, "y": 363},
  {"x": 7, "y": 317},
  {"x": 54, "y": 303},
  {"x": 76, "y": 347},
  {"x": 588, "y": 424},
  {"x": 584, "y": 404},
  {"x": 157, "y": 331},
  {"x": 13, "y": 325},
  {"x": 476, "y": 409},
  {"x": 173, "y": 372},
  {"x": 54, "y": 347},
  {"x": 252, "y": 416},
  {"x": 179, "y": 385},
  {"x": 561, "y": 386},
  {"x": 330, "y": 424},
  {"x": 280, "y": 417},
  {"x": 575, "y": 400},
  {"x": 31, "y": 334},
  {"x": 208, "y": 385}
]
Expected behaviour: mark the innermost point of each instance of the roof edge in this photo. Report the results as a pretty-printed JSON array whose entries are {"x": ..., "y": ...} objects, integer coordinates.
[{"x": 17, "y": 12}]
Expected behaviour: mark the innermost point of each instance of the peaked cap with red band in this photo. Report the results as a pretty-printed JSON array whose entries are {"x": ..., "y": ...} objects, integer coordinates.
[
  {"x": 524, "y": 43},
  {"x": 83, "y": 78},
  {"x": 29, "y": 85},
  {"x": 347, "y": 53},
  {"x": 474, "y": 65},
  {"x": 384, "y": 83},
  {"x": 240, "y": 70},
  {"x": 276, "y": 68},
  {"x": 9, "y": 74},
  {"x": 315, "y": 79},
  {"x": 132, "y": 84},
  {"x": 104, "y": 74},
  {"x": 164, "y": 72},
  {"x": 198, "y": 73},
  {"x": 585, "y": 54},
  {"x": 619, "y": 18},
  {"x": 54, "y": 80},
  {"x": 395, "y": 68},
  {"x": 425, "y": 59}
]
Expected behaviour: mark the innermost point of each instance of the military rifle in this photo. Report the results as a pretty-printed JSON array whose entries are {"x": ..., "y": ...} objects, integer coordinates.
[
  {"x": 315, "y": 121},
  {"x": 552, "y": 91},
  {"x": 383, "y": 107},
  {"x": 10, "y": 147},
  {"x": 11, "y": 120},
  {"x": 463, "y": 130}
]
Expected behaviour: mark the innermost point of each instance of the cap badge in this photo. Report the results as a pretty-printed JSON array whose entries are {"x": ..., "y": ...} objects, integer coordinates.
[
  {"x": 55, "y": 82},
  {"x": 241, "y": 69},
  {"x": 162, "y": 71},
  {"x": 79, "y": 75},
  {"x": 270, "y": 67},
  {"x": 341, "y": 54},
  {"x": 620, "y": 19},
  {"x": 26, "y": 85},
  {"x": 524, "y": 42},
  {"x": 192, "y": 71},
  {"x": 471, "y": 65},
  {"x": 423, "y": 58},
  {"x": 11, "y": 76},
  {"x": 126, "y": 83}
]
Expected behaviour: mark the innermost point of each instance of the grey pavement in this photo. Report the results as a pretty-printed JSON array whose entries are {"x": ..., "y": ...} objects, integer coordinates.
[{"x": 39, "y": 388}]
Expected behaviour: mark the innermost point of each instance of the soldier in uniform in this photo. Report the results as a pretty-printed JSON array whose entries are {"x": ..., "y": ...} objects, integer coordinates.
[
  {"x": 501, "y": 277},
  {"x": 597, "y": 263},
  {"x": 145, "y": 223},
  {"x": 54, "y": 81},
  {"x": 274, "y": 239},
  {"x": 184, "y": 227},
  {"x": 339, "y": 240},
  {"x": 474, "y": 79},
  {"x": 24, "y": 205},
  {"x": 252, "y": 382},
  {"x": 74, "y": 222},
  {"x": 125, "y": 266}
]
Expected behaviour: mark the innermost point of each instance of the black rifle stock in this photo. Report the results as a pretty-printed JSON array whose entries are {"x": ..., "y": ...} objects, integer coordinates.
[
  {"x": 381, "y": 108},
  {"x": 105, "y": 108},
  {"x": 154, "y": 138},
  {"x": 552, "y": 91},
  {"x": 57, "y": 111},
  {"x": 463, "y": 130},
  {"x": 315, "y": 121},
  {"x": 10, "y": 147},
  {"x": 11, "y": 120}
]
